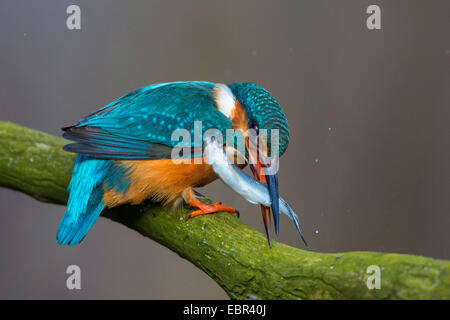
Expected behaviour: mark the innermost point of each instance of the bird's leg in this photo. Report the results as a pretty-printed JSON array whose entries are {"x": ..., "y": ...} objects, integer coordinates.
[{"x": 204, "y": 208}]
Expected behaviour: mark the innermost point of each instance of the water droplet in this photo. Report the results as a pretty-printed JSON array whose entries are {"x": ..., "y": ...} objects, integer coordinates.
[
  {"x": 316, "y": 231},
  {"x": 253, "y": 297},
  {"x": 436, "y": 283},
  {"x": 232, "y": 249},
  {"x": 332, "y": 267},
  {"x": 316, "y": 160},
  {"x": 329, "y": 129}
]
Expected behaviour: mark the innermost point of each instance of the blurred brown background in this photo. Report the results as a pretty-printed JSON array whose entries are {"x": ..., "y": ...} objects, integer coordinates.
[{"x": 368, "y": 163}]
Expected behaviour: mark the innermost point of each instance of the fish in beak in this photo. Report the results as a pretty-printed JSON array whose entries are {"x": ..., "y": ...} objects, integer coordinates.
[
  {"x": 265, "y": 170},
  {"x": 249, "y": 188}
]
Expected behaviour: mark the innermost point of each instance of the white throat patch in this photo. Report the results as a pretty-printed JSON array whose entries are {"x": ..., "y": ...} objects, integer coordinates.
[{"x": 224, "y": 98}]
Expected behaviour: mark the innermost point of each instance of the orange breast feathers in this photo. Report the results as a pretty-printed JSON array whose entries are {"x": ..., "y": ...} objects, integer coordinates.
[{"x": 161, "y": 180}]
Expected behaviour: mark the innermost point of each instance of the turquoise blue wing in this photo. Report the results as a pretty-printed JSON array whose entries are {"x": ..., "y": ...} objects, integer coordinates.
[{"x": 140, "y": 124}]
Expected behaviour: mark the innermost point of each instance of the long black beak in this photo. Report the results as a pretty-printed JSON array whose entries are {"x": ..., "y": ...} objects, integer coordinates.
[
  {"x": 265, "y": 211},
  {"x": 272, "y": 185}
]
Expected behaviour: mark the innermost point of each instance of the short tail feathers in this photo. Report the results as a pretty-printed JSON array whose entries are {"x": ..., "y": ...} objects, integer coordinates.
[{"x": 85, "y": 199}]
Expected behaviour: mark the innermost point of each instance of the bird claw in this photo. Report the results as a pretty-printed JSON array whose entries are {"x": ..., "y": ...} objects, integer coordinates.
[{"x": 212, "y": 208}]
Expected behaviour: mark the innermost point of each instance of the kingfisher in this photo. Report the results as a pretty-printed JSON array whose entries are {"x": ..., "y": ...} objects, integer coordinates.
[{"x": 125, "y": 150}]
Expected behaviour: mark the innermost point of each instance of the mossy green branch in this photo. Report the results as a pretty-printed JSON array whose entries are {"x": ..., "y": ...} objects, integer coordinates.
[{"x": 234, "y": 255}]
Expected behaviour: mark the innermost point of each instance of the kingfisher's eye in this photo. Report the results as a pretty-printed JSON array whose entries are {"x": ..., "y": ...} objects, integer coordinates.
[{"x": 254, "y": 126}]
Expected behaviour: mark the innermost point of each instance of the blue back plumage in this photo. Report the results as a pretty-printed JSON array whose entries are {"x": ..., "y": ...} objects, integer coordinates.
[
  {"x": 85, "y": 199},
  {"x": 152, "y": 113},
  {"x": 140, "y": 124}
]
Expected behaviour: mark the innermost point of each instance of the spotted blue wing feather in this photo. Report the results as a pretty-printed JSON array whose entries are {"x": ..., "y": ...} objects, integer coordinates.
[{"x": 140, "y": 124}]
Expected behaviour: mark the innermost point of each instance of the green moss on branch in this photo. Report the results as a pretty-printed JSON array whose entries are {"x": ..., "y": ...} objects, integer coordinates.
[{"x": 234, "y": 255}]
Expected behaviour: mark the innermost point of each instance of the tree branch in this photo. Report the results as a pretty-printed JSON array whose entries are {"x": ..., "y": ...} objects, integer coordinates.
[{"x": 234, "y": 255}]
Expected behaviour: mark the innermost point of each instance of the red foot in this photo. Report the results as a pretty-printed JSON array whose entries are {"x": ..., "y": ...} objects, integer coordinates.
[{"x": 209, "y": 208}]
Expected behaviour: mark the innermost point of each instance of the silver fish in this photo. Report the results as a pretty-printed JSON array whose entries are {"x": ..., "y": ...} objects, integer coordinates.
[{"x": 252, "y": 190}]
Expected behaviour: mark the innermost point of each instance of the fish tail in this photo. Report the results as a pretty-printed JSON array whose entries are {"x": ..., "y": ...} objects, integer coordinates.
[{"x": 287, "y": 210}]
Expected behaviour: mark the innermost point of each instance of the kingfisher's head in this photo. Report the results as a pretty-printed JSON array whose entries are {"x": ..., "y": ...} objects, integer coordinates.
[{"x": 253, "y": 111}]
